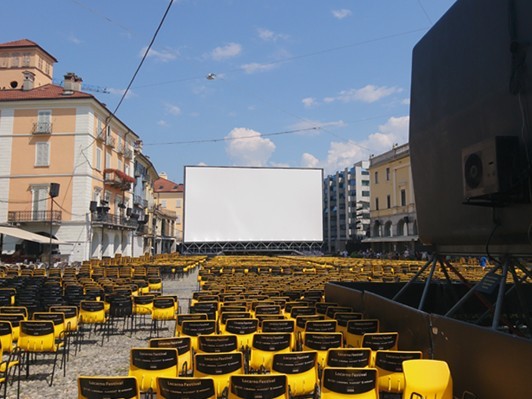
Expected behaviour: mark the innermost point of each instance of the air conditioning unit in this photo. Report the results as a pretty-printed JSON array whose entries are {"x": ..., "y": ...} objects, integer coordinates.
[{"x": 490, "y": 169}]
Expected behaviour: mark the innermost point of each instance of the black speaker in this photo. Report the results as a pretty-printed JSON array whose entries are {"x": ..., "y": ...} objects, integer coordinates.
[
  {"x": 54, "y": 190},
  {"x": 93, "y": 206}
]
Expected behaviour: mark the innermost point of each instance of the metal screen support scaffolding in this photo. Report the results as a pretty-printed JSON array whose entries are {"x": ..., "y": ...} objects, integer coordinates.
[{"x": 491, "y": 281}]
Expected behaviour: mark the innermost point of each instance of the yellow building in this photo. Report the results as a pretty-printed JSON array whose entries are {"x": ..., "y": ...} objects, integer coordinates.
[
  {"x": 60, "y": 134},
  {"x": 392, "y": 207}
]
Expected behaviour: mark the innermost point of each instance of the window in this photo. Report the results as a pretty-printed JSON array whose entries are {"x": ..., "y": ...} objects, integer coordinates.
[
  {"x": 388, "y": 201},
  {"x": 376, "y": 177},
  {"x": 365, "y": 182},
  {"x": 98, "y": 158},
  {"x": 403, "y": 197},
  {"x": 387, "y": 174},
  {"x": 99, "y": 128},
  {"x": 14, "y": 60},
  {"x": 178, "y": 219},
  {"x": 44, "y": 122},
  {"x": 107, "y": 159},
  {"x": 120, "y": 165},
  {"x": 39, "y": 63},
  {"x": 163, "y": 203},
  {"x": 179, "y": 203},
  {"x": 42, "y": 154},
  {"x": 26, "y": 60},
  {"x": 376, "y": 204},
  {"x": 365, "y": 193}
]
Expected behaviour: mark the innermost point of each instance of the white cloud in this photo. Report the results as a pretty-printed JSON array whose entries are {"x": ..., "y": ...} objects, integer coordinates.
[
  {"x": 269, "y": 36},
  {"x": 367, "y": 94},
  {"x": 162, "y": 123},
  {"x": 202, "y": 164},
  {"x": 74, "y": 39},
  {"x": 255, "y": 67},
  {"x": 246, "y": 147},
  {"x": 405, "y": 101},
  {"x": 160, "y": 55},
  {"x": 120, "y": 92},
  {"x": 343, "y": 154},
  {"x": 341, "y": 14},
  {"x": 230, "y": 50},
  {"x": 309, "y": 161},
  {"x": 172, "y": 109},
  {"x": 309, "y": 102}
]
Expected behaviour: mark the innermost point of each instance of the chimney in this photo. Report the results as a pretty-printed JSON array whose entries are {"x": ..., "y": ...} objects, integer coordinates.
[
  {"x": 163, "y": 175},
  {"x": 29, "y": 79},
  {"x": 71, "y": 83}
]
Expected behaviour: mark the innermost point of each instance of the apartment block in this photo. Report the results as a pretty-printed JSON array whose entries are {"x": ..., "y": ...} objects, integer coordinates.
[{"x": 346, "y": 196}]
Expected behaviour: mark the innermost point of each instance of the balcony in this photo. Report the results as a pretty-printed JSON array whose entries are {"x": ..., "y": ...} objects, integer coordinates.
[
  {"x": 110, "y": 220},
  {"x": 128, "y": 153},
  {"x": 34, "y": 217},
  {"x": 120, "y": 149},
  {"x": 42, "y": 128},
  {"x": 139, "y": 201},
  {"x": 111, "y": 142},
  {"x": 101, "y": 136},
  {"x": 118, "y": 179}
]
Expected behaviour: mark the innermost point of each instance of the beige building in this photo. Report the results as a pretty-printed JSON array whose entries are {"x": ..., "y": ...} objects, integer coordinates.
[
  {"x": 169, "y": 201},
  {"x": 393, "y": 225},
  {"x": 60, "y": 134}
]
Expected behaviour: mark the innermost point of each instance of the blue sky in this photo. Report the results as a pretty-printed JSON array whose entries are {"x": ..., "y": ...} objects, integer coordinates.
[{"x": 299, "y": 83}]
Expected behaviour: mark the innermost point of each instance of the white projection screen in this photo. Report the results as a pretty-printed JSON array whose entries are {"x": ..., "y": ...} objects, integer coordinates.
[{"x": 245, "y": 204}]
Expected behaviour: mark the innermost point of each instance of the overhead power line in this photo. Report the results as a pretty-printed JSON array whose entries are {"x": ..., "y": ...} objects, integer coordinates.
[{"x": 260, "y": 135}]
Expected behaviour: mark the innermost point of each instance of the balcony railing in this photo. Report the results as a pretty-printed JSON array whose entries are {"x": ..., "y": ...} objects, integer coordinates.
[
  {"x": 111, "y": 219},
  {"x": 120, "y": 148},
  {"x": 101, "y": 136},
  {"x": 42, "y": 128},
  {"x": 117, "y": 178},
  {"x": 111, "y": 141},
  {"x": 34, "y": 216},
  {"x": 141, "y": 202}
]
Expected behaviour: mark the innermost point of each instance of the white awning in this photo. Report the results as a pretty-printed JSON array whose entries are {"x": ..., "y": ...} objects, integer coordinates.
[{"x": 27, "y": 235}]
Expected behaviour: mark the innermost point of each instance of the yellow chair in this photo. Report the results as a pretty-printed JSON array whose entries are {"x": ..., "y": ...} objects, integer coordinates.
[
  {"x": 184, "y": 351},
  {"x": 92, "y": 313},
  {"x": 164, "y": 310},
  {"x": 6, "y": 336},
  {"x": 322, "y": 342},
  {"x": 380, "y": 341},
  {"x": 389, "y": 364},
  {"x": 99, "y": 387},
  {"x": 244, "y": 329},
  {"x": 15, "y": 310},
  {"x": 224, "y": 316},
  {"x": 38, "y": 337},
  {"x": 180, "y": 318},
  {"x": 219, "y": 367},
  {"x": 281, "y": 326},
  {"x": 357, "y": 328},
  {"x": 264, "y": 346},
  {"x": 426, "y": 378},
  {"x": 348, "y": 357},
  {"x": 195, "y": 328},
  {"x": 301, "y": 369},
  {"x": 247, "y": 386},
  {"x": 217, "y": 343},
  {"x": 14, "y": 319},
  {"x": 349, "y": 383},
  {"x": 185, "y": 387},
  {"x": 146, "y": 364}
]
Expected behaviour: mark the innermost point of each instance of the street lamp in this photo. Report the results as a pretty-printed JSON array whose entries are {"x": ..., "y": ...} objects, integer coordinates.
[{"x": 54, "y": 192}]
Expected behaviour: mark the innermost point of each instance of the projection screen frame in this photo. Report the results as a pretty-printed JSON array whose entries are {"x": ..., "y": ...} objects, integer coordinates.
[{"x": 206, "y": 244}]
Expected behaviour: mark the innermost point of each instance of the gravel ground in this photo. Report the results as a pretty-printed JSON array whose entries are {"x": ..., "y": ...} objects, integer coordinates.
[{"x": 111, "y": 358}]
